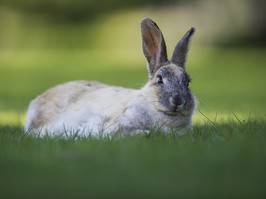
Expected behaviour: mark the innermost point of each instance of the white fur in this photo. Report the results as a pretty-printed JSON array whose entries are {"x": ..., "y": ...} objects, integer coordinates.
[
  {"x": 91, "y": 108},
  {"x": 104, "y": 110}
]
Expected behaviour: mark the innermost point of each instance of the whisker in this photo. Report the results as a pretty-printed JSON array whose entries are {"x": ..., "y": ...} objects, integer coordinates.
[{"x": 207, "y": 118}]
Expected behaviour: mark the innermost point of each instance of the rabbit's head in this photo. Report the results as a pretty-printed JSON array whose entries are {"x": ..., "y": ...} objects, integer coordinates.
[{"x": 168, "y": 85}]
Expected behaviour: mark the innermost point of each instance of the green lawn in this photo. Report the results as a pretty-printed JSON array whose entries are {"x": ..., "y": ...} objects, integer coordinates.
[
  {"x": 224, "y": 157},
  {"x": 227, "y": 160}
]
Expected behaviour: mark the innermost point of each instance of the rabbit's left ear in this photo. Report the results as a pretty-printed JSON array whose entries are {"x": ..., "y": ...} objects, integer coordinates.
[
  {"x": 153, "y": 45},
  {"x": 181, "y": 49}
]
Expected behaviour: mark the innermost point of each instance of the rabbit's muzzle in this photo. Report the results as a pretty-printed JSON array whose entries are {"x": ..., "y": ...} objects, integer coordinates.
[
  {"x": 181, "y": 104},
  {"x": 177, "y": 102}
]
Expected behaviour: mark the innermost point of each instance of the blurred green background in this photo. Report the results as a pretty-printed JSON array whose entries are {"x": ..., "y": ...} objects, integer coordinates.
[{"x": 46, "y": 42}]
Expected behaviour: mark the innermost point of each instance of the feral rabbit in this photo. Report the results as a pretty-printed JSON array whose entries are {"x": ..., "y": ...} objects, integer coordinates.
[{"x": 88, "y": 108}]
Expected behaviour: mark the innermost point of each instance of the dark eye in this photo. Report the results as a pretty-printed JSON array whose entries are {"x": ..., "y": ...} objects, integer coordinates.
[
  {"x": 188, "y": 82},
  {"x": 159, "y": 79}
]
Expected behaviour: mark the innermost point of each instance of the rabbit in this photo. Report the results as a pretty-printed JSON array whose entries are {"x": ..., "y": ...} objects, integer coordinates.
[{"x": 88, "y": 108}]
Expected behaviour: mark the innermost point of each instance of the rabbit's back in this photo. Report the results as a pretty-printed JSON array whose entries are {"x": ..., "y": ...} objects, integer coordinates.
[{"x": 78, "y": 106}]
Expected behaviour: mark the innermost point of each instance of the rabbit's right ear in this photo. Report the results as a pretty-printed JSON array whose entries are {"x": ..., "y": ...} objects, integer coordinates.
[{"x": 153, "y": 45}]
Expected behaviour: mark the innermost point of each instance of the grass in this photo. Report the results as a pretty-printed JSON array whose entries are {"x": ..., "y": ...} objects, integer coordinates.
[
  {"x": 227, "y": 160},
  {"x": 224, "y": 157}
]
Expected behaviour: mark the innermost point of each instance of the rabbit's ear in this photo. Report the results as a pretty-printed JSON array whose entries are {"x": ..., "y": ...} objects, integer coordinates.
[
  {"x": 181, "y": 49},
  {"x": 153, "y": 45}
]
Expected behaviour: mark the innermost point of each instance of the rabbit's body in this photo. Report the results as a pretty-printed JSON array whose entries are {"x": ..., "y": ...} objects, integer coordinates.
[
  {"x": 90, "y": 108},
  {"x": 79, "y": 106}
]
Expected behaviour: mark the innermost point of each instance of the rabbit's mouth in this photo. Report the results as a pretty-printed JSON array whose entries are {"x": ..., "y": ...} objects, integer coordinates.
[
  {"x": 177, "y": 112},
  {"x": 172, "y": 109},
  {"x": 182, "y": 110},
  {"x": 177, "y": 105}
]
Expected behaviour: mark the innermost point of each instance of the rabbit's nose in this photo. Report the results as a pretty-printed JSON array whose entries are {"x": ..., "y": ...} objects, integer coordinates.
[{"x": 177, "y": 100}]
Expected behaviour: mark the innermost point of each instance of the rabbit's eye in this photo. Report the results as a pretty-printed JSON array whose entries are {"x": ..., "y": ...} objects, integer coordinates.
[
  {"x": 188, "y": 82},
  {"x": 159, "y": 79}
]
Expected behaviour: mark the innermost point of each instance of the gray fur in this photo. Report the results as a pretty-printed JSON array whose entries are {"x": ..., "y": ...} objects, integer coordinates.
[
  {"x": 174, "y": 95},
  {"x": 181, "y": 49},
  {"x": 88, "y": 108}
]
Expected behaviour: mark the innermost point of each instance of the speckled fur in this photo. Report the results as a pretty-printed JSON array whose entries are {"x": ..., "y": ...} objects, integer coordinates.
[{"x": 92, "y": 108}]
